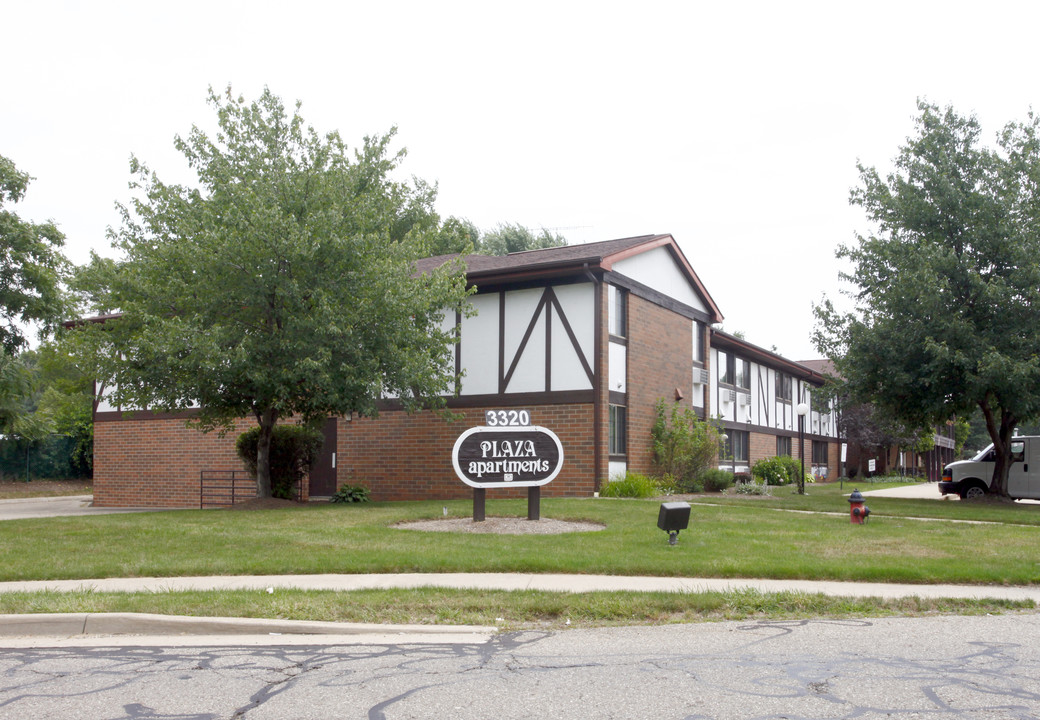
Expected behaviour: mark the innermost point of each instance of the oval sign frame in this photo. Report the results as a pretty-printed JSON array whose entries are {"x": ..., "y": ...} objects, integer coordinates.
[{"x": 523, "y": 430}]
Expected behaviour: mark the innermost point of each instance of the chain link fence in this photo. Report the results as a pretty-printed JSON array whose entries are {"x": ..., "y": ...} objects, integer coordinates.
[{"x": 58, "y": 457}]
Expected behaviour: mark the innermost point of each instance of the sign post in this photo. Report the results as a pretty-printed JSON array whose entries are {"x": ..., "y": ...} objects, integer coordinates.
[{"x": 507, "y": 452}]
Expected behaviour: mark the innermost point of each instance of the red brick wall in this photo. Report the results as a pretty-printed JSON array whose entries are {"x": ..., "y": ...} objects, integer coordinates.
[
  {"x": 660, "y": 359},
  {"x": 408, "y": 457},
  {"x": 157, "y": 462},
  {"x": 763, "y": 446}
]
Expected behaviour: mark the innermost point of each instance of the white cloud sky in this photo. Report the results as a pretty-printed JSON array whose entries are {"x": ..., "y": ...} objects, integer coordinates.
[{"x": 736, "y": 127}]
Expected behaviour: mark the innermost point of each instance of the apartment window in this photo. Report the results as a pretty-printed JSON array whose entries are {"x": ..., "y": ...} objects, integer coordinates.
[
  {"x": 725, "y": 368},
  {"x": 819, "y": 452},
  {"x": 742, "y": 373},
  {"x": 783, "y": 446},
  {"x": 734, "y": 371},
  {"x": 698, "y": 342},
  {"x": 783, "y": 387},
  {"x": 618, "y": 444},
  {"x": 616, "y": 316},
  {"x": 736, "y": 447}
]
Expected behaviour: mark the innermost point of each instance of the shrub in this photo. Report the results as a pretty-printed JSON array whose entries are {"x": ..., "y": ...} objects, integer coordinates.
[
  {"x": 770, "y": 471},
  {"x": 632, "y": 485},
  {"x": 780, "y": 470},
  {"x": 794, "y": 467},
  {"x": 683, "y": 444},
  {"x": 752, "y": 488},
  {"x": 293, "y": 449},
  {"x": 715, "y": 480},
  {"x": 668, "y": 486},
  {"x": 350, "y": 494}
]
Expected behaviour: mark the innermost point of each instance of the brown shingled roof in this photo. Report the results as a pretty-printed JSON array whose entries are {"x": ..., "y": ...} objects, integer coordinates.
[
  {"x": 569, "y": 259},
  {"x": 804, "y": 369}
]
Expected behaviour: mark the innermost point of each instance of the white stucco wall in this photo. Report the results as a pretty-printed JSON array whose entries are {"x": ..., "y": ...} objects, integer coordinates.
[{"x": 658, "y": 270}]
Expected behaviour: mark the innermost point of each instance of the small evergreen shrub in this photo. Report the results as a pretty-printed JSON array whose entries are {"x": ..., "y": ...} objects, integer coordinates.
[
  {"x": 293, "y": 449},
  {"x": 715, "y": 480},
  {"x": 350, "y": 494},
  {"x": 632, "y": 485}
]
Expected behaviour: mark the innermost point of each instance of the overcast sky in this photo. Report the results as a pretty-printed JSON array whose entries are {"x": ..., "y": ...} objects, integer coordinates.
[{"x": 736, "y": 127}]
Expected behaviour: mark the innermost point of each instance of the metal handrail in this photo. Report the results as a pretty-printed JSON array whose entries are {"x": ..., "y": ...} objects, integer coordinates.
[{"x": 221, "y": 487}]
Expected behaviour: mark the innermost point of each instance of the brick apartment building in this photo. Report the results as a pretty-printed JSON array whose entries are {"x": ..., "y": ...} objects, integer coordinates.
[{"x": 587, "y": 338}]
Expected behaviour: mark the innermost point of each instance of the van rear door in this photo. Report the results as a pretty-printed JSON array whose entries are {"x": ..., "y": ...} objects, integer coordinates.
[{"x": 1024, "y": 474}]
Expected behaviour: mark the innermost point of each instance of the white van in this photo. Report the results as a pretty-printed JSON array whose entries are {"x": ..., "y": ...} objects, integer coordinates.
[{"x": 971, "y": 478}]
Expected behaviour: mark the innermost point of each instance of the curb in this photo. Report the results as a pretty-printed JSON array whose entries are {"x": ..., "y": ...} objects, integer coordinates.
[{"x": 72, "y": 625}]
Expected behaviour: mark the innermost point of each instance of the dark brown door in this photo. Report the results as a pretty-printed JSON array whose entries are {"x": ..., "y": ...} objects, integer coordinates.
[{"x": 323, "y": 471}]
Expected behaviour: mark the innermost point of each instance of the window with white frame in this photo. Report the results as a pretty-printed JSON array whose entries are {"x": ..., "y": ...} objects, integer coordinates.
[
  {"x": 616, "y": 315},
  {"x": 735, "y": 449},
  {"x": 734, "y": 371}
]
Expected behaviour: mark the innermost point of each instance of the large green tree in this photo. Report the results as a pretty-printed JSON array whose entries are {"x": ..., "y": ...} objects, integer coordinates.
[
  {"x": 281, "y": 285},
  {"x": 512, "y": 237},
  {"x": 947, "y": 285},
  {"x": 462, "y": 236},
  {"x": 31, "y": 265}
]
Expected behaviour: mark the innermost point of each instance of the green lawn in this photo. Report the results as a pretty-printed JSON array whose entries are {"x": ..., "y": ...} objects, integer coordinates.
[
  {"x": 728, "y": 537},
  {"x": 505, "y": 610}
]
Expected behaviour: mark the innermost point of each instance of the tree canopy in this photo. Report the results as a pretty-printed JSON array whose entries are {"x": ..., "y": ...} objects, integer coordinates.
[
  {"x": 947, "y": 285},
  {"x": 31, "y": 265},
  {"x": 462, "y": 236},
  {"x": 282, "y": 285}
]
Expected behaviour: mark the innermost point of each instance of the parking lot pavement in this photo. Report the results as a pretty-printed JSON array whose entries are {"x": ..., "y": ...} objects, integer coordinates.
[
  {"x": 41, "y": 507},
  {"x": 920, "y": 491}
]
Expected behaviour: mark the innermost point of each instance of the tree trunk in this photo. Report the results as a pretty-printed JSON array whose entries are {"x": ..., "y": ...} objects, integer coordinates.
[
  {"x": 1000, "y": 434},
  {"x": 267, "y": 420}
]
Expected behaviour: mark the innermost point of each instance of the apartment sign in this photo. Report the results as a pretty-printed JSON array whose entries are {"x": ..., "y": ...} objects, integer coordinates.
[{"x": 507, "y": 456}]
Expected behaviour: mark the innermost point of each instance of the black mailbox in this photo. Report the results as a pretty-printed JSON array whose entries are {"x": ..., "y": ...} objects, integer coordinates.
[{"x": 673, "y": 517}]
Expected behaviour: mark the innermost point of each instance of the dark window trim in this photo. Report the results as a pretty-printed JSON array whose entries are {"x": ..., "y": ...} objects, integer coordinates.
[{"x": 612, "y": 451}]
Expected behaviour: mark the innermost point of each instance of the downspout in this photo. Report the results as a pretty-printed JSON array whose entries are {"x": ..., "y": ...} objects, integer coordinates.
[{"x": 597, "y": 380}]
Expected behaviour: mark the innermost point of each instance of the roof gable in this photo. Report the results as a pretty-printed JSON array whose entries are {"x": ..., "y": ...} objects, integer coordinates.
[{"x": 570, "y": 259}]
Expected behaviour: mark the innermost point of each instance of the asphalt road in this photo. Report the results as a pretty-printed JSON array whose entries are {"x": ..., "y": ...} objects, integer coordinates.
[{"x": 949, "y": 667}]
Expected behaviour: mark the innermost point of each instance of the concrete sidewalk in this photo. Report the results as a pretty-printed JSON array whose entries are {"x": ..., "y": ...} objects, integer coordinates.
[
  {"x": 97, "y": 629},
  {"x": 60, "y": 506},
  {"x": 520, "y": 581}
]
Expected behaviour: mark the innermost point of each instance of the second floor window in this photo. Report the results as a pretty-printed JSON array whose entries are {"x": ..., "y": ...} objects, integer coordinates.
[
  {"x": 616, "y": 316},
  {"x": 734, "y": 371},
  {"x": 724, "y": 368},
  {"x": 783, "y": 387}
]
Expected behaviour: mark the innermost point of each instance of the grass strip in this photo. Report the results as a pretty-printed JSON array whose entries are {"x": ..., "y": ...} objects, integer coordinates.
[
  {"x": 748, "y": 539},
  {"x": 509, "y": 610}
]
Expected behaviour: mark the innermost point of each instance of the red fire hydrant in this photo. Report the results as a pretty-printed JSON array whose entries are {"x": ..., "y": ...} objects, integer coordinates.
[{"x": 858, "y": 511}]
